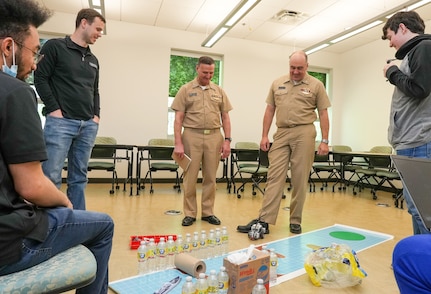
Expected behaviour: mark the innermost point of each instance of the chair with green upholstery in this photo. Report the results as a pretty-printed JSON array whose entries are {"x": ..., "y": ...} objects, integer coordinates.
[
  {"x": 257, "y": 173},
  {"x": 160, "y": 159},
  {"x": 349, "y": 165},
  {"x": 390, "y": 177},
  {"x": 245, "y": 154},
  {"x": 375, "y": 164},
  {"x": 321, "y": 164},
  {"x": 104, "y": 158},
  {"x": 68, "y": 270}
]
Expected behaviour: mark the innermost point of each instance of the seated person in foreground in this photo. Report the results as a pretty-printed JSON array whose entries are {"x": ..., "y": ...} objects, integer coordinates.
[
  {"x": 411, "y": 263},
  {"x": 37, "y": 221}
]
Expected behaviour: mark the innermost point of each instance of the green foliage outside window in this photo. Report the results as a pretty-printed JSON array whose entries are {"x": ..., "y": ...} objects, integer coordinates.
[
  {"x": 183, "y": 70},
  {"x": 319, "y": 75}
]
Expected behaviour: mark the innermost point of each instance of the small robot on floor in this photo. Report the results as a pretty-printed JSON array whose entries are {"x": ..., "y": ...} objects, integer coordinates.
[{"x": 256, "y": 232}]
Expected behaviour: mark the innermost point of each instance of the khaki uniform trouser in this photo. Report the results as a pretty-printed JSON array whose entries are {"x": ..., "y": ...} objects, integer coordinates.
[
  {"x": 203, "y": 146},
  {"x": 297, "y": 146}
]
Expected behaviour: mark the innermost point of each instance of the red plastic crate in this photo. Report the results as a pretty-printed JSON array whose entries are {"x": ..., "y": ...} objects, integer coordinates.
[{"x": 135, "y": 241}]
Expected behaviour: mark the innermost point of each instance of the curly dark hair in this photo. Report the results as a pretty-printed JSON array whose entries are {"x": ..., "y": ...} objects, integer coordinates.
[
  {"x": 16, "y": 17},
  {"x": 410, "y": 19}
]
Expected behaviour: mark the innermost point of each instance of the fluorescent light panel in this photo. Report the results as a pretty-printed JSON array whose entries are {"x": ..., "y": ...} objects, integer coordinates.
[
  {"x": 376, "y": 21},
  {"x": 416, "y": 5},
  {"x": 96, "y": 3},
  {"x": 320, "y": 47},
  {"x": 357, "y": 31},
  {"x": 241, "y": 12},
  {"x": 99, "y": 6},
  {"x": 216, "y": 37},
  {"x": 233, "y": 17}
]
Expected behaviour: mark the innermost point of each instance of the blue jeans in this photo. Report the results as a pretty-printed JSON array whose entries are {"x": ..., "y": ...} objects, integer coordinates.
[
  {"x": 68, "y": 228},
  {"x": 74, "y": 140},
  {"x": 423, "y": 151},
  {"x": 411, "y": 263}
]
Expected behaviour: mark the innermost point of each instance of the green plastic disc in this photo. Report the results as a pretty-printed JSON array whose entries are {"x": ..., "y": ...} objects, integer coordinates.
[{"x": 347, "y": 235}]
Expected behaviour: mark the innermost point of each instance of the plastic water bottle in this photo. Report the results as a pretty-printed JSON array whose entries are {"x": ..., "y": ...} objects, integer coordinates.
[
  {"x": 203, "y": 245},
  {"x": 225, "y": 240},
  {"x": 161, "y": 254},
  {"x": 273, "y": 260},
  {"x": 170, "y": 251},
  {"x": 188, "y": 287},
  {"x": 179, "y": 244},
  {"x": 223, "y": 281},
  {"x": 142, "y": 258},
  {"x": 188, "y": 244},
  {"x": 151, "y": 253},
  {"x": 259, "y": 288},
  {"x": 213, "y": 282},
  {"x": 195, "y": 245},
  {"x": 217, "y": 242},
  {"x": 211, "y": 244},
  {"x": 202, "y": 284}
]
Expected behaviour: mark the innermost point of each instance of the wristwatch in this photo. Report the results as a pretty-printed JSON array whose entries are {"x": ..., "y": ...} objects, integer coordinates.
[
  {"x": 228, "y": 139},
  {"x": 326, "y": 141}
]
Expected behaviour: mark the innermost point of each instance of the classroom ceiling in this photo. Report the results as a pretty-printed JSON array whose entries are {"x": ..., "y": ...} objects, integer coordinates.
[{"x": 306, "y": 23}]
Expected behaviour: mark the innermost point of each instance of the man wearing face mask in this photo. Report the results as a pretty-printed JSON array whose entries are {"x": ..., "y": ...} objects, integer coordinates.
[
  {"x": 67, "y": 81},
  {"x": 13, "y": 69},
  {"x": 36, "y": 219}
]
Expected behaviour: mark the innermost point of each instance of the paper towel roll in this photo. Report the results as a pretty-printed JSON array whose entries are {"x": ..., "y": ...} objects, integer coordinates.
[{"x": 190, "y": 264}]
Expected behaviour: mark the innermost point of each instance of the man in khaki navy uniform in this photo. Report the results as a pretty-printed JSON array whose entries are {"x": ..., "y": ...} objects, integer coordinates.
[
  {"x": 201, "y": 108},
  {"x": 293, "y": 99}
]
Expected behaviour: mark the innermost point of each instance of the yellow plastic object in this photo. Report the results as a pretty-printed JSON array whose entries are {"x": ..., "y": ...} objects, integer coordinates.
[{"x": 336, "y": 266}]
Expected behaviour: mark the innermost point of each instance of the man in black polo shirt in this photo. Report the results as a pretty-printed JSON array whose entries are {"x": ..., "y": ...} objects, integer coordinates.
[{"x": 37, "y": 220}]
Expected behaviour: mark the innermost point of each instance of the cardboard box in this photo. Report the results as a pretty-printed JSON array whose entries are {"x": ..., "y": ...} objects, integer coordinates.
[{"x": 243, "y": 277}]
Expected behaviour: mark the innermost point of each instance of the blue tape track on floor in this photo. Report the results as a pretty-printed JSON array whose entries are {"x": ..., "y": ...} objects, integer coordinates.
[{"x": 294, "y": 249}]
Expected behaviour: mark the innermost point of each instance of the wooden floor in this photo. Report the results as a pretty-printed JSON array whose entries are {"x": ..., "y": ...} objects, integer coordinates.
[{"x": 145, "y": 215}]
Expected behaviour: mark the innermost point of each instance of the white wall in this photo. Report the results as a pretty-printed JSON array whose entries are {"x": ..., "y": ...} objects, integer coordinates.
[
  {"x": 134, "y": 80},
  {"x": 366, "y": 96}
]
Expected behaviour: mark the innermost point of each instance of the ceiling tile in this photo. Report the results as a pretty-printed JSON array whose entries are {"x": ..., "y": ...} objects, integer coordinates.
[{"x": 319, "y": 20}]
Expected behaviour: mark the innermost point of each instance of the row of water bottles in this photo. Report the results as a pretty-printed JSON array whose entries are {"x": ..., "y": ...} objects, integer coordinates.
[
  {"x": 215, "y": 283},
  {"x": 202, "y": 245},
  {"x": 154, "y": 256}
]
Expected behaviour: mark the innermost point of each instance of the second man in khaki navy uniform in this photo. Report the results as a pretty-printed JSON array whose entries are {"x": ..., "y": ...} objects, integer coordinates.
[
  {"x": 201, "y": 108},
  {"x": 293, "y": 99}
]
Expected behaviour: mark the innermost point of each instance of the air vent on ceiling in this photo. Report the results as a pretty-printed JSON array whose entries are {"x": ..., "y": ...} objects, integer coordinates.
[{"x": 288, "y": 16}]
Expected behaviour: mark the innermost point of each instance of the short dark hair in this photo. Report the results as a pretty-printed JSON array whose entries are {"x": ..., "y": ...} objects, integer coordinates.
[
  {"x": 206, "y": 60},
  {"x": 410, "y": 19},
  {"x": 88, "y": 14},
  {"x": 16, "y": 17}
]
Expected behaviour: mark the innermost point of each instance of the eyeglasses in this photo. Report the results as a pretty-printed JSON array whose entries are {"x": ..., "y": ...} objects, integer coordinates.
[{"x": 37, "y": 57}]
